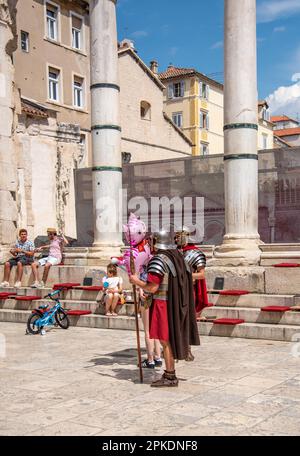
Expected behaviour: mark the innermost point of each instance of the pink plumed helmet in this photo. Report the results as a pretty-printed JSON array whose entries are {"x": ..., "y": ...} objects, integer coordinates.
[{"x": 137, "y": 230}]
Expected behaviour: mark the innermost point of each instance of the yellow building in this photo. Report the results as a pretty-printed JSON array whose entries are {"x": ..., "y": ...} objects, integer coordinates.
[{"x": 195, "y": 103}]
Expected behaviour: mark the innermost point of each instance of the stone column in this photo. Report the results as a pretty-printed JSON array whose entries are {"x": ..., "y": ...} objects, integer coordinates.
[
  {"x": 8, "y": 99},
  {"x": 240, "y": 244},
  {"x": 106, "y": 130}
]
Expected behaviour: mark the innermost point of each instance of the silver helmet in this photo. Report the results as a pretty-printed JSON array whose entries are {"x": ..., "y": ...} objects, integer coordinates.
[
  {"x": 182, "y": 236},
  {"x": 163, "y": 240}
]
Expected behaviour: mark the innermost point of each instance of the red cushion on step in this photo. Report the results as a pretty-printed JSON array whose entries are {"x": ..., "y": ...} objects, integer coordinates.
[
  {"x": 27, "y": 298},
  {"x": 228, "y": 321},
  {"x": 233, "y": 292},
  {"x": 79, "y": 312},
  {"x": 275, "y": 308},
  {"x": 5, "y": 295},
  {"x": 286, "y": 265},
  {"x": 67, "y": 285},
  {"x": 89, "y": 288}
]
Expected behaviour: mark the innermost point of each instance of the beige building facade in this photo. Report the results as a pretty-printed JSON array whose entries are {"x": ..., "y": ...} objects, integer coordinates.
[
  {"x": 53, "y": 121},
  {"x": 147, "y": 132},
  {"x": 196, "y": 104},
  {"x": 52, "y": 58}
]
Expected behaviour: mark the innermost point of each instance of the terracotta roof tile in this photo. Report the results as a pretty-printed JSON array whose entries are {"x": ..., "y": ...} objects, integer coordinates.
[
  {"x": 33, "y": 110},
  {"x": 287, "y": 132},
  {"x": 280, "y": 118},
  {"x": 173, "y": 72}
]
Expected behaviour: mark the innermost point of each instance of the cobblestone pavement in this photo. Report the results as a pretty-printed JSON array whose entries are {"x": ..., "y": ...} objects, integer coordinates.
[{"x": 85, "y": 382}]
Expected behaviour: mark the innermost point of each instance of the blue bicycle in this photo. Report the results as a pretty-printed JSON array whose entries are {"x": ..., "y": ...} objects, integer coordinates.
[{"x": 45, "y": 316}]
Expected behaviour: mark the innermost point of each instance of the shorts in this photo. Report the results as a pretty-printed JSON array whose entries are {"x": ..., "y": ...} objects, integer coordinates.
[
  {"x": 23, "y": 260},
  {"x": 49, "y": 259}
]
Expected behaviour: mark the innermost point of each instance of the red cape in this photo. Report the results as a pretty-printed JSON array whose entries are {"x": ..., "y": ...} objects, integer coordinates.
[{"x": 200, "y": 290}]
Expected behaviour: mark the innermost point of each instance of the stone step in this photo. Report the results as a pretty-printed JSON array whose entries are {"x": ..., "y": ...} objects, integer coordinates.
[
  {"x": 65, "y": 273},
  {"x": 93, "y": 306},
  {"x": 246, "y": 330},
  {"x": 88, "y": 321},
  {"x": 263, "y": 331},
  {"x": 74, "y": 294},
  {"x": 251, "y": 315},
  {"x": 253, "y": 300}
]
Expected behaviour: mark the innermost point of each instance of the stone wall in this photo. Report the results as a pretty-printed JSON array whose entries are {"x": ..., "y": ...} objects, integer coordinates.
[{"x": 48, "y": 153}]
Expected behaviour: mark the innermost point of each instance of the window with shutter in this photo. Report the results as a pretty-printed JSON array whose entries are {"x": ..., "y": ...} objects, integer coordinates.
[
  {"x": 170, "y": 91},
  {"x": 53, "y": 84},
  {"x": 201, "y": 119},
  {"x": 52, "y": 18},
  {"x": 77, "y": 25},
  {"x": 25, "y": 41},
  {"x": 78, "y": 93},
  {"x": 207, "y": 91},
  {"x": 182, "y": 88},
  {"x": 177, "y": 119}
]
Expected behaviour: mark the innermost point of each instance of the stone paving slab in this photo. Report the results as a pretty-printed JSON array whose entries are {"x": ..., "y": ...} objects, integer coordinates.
[{"x": 84, "y": 381}]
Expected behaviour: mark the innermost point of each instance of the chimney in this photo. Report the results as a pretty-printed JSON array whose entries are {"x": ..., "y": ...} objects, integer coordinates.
[{"x": 154, "y": 66}]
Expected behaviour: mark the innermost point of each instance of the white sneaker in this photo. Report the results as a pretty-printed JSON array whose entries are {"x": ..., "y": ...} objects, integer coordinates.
[
  {"x": 41, "y": 285},
  {"x": 17, "y": 284},
  {"x": 4, "y": 284},
  {"x": 35, "y": 285}
]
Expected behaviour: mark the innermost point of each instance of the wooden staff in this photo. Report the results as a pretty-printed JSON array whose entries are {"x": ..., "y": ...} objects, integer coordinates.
[{"x": 132, "y": 270}]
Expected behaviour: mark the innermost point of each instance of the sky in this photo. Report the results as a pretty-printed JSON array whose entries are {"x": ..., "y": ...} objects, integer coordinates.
[{"x": 189, "y": 33}]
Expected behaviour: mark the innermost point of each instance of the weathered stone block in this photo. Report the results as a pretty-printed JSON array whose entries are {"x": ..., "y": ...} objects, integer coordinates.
[
  {"x": 8, "y": 232},
  {"x": 238, "y": 278},
  {"x": 7, "y": 150},
  {"x": 282, "y": 280},
  {"x": 8, "y": 177},
  {"x": 8, "y": 206}
]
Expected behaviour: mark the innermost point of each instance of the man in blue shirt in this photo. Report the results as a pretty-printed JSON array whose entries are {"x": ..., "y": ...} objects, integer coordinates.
[{"x": 23, "y": 253}]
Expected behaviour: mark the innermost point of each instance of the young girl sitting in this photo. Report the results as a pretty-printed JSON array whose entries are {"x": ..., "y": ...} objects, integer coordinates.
[{"x": 112, "y": 285}]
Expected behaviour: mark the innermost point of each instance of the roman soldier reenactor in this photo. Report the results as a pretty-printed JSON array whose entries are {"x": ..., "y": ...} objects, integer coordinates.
[
  {"x": 197, "y": 261},
  {"x": 172, "y": 312}
]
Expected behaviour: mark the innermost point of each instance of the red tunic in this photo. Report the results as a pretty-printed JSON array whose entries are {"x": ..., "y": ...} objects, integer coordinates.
[
  {"x": 159, "y": 327},
  {"x": 200, "y": 290}
]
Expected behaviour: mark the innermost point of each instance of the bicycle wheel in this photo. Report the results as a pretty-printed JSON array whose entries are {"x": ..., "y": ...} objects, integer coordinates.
[
  {"x": 31, "y": 324},
  {"x": 62, "y": 319}
]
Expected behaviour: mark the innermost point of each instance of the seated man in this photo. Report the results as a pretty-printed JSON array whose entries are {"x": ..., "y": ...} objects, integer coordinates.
[
  {"x": 55, "y": 247},
  {"x": 23, "y": 253}
]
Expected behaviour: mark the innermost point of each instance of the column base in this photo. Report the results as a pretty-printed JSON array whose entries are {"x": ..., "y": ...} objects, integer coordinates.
[
  {"x": 91, "y": 256},
  {"x": 103, "y": 253},
  {"x": 237, "y": 251}
]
